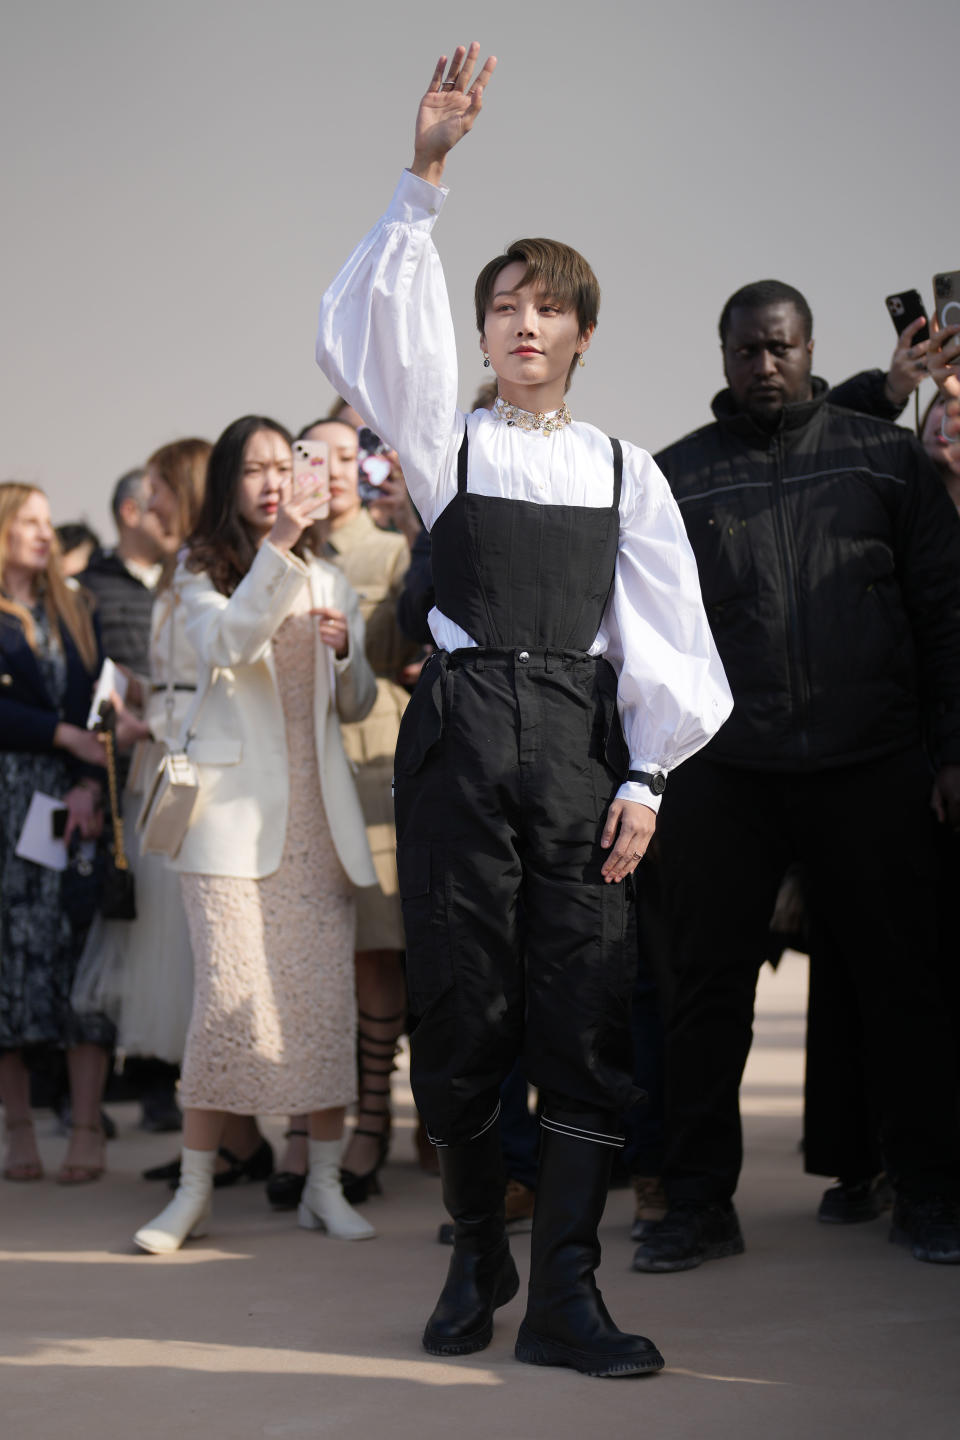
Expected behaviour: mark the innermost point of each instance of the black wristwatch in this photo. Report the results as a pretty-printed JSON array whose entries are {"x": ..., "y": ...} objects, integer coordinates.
[{"x": 657, "y": 781}]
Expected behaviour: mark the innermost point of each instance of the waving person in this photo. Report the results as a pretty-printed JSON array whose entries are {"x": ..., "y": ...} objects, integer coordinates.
[{"x": 575, "y": 669}]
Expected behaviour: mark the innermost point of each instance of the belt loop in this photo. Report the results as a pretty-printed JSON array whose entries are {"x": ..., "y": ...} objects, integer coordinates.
[
  {"x": 549, "y": 661},
  {"x": 479, "y": 664}
]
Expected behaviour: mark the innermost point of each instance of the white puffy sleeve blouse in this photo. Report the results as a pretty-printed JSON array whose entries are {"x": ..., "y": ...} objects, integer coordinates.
[{"x": 386, "y": 343}]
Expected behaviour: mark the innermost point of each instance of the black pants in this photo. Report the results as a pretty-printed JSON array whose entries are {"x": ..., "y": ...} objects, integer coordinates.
[
  {"x": 515, "y": 946},
  {"x": 841, "y": 1129},
  {"x": 862, "y": 832}
]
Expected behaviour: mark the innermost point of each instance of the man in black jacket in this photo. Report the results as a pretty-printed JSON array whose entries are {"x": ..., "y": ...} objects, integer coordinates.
[{"x": 829, "y": 560}]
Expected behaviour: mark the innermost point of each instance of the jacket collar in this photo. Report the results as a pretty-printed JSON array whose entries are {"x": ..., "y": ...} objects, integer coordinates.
[{"x": 793, "y": 417}]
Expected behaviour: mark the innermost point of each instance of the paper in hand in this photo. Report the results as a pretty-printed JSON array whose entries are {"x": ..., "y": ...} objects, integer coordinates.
[{"x": 111, "y": 679}]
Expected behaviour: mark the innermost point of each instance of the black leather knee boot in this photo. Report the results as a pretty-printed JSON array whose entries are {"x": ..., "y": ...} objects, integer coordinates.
[
  {"x": 567, "y": 1322},
  {"x": 482, "y": 1275}
]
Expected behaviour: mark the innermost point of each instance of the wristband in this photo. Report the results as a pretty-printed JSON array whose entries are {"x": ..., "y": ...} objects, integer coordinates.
[{"x": 657, "y": 781}]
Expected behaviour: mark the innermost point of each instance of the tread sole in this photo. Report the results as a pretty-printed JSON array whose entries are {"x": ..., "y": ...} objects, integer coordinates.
[{"x": 533, "y": 1349}]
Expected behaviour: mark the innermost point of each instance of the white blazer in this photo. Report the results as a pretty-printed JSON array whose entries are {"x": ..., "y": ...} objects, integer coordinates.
[{"x": 239, "y": 746}]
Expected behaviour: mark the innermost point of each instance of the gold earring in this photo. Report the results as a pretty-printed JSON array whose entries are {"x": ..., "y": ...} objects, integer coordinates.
[
  {"x": 580, "y": 359},
  {"x": 486, "y": 360}
]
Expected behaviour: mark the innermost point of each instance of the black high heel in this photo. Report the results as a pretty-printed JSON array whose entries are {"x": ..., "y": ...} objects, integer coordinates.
[
  {"x": 285, "y": 1187},
  {"x": 257, "y": 1166},
  {"x": 358, "y": 1188}
]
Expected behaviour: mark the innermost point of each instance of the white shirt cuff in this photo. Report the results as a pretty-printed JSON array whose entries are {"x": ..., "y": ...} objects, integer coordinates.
[
  {"x": 640, "y": 793},
  {"x": 415, "y": 200}
]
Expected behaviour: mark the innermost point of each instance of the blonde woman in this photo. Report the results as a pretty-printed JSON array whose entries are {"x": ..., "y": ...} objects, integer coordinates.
[
  {"x": 49, "y": 660},
  {"x": 277, "y": 845}
]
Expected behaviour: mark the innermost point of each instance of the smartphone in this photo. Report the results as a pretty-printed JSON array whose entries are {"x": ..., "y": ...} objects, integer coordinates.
[
  {"x": 373, "y": 462},
  {"x": 58, "y": 822},
  {"x": 905, "y": 307},
  {"x": 311, "y": 466},
  {"x": 946, "y": 296}
]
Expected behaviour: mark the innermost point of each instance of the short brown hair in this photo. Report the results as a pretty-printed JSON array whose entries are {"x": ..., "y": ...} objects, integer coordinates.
[{"x": 555, "y": 268}]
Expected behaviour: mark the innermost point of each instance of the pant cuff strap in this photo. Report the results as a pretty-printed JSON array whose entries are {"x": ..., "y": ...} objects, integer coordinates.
[
  {"x": 576, "y": 1132},
  {"x": 487, "y": 1125}
]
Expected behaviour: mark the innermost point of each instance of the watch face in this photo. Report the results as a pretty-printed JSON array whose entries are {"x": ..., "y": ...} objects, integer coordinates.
[{"x": 658, "y": 783}]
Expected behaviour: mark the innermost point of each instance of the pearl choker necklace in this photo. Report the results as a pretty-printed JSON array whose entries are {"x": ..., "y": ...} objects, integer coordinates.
[{"x": 527, "y": 420}]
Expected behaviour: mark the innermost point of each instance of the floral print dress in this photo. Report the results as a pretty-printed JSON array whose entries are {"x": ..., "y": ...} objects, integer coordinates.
[{"x": 39, "y": 943}]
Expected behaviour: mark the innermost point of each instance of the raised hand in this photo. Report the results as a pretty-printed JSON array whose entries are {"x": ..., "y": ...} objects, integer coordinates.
[
  {"x": 908, "y": 364},
  {"x": 448, "y": 110},
  {"x": 943, "y": 357},
  {"x": 296, "y": 512}
]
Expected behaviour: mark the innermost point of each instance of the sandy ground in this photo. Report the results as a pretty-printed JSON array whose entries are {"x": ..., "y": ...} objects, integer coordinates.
[{"x": 264, "y": 1330}]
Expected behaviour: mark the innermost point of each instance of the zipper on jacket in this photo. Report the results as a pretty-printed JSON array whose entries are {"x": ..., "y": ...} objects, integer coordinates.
[{"x": 788, "y": 559}]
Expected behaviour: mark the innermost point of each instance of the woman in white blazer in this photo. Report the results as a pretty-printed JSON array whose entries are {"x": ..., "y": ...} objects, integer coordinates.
[{"x": 276, "y": 846}]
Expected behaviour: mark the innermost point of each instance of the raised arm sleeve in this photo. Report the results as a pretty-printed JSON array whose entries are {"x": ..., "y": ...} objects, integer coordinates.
[
  {"x": 386, "y": 342},
  {"x": 237, "y": 630},
  {"x": 672, "y": 691}
]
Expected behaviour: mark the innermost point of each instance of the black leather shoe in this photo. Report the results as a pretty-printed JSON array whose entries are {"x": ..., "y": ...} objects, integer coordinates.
[
  {"x": 169, "y": 1172},
  {"x": 930, "y": 1227},
  {"x": 285, "y": 1188},
  {"x": 566, "y": 1322},
  {"x": 691, "y": 1231},
  {"x": 851, "y": 1202},
  {"x": 481, "y": 1275},
  {"x": 257, "y": 1166}
]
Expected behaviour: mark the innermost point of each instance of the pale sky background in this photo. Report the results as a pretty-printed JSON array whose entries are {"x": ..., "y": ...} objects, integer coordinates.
[{"x": 181, "y": 180}]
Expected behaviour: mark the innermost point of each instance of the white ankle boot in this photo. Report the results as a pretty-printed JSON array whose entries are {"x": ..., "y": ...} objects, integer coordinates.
[
  {"x": 188, "y": 1211},
  {"x": 323, "y": 1206}
]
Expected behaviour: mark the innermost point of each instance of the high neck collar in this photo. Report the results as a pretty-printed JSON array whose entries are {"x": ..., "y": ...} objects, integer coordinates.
[
  {"x": 792, "y": 417},
  {"x": 356, "y": 528}
]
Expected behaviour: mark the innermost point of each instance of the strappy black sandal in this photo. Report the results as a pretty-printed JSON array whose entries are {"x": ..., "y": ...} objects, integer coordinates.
[{"x": 376, "y": 1059}]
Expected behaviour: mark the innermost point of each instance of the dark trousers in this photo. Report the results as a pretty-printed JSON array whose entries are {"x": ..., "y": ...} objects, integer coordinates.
[
  {"x": 515, "y": 946},
  {"x": 519, "y": 1130},
  {"x": 862, "y": 832},
  {"x": 841, "y": 1129}
]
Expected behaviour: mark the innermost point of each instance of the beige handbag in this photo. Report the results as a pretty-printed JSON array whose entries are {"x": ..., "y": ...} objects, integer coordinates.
[{"x": 171, "y": 791}]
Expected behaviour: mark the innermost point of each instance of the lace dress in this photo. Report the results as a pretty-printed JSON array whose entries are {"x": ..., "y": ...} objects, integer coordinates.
[{"x": 274, "y": 1015}]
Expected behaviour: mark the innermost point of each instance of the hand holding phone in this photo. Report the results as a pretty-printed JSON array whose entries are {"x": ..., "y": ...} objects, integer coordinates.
[
  {"x": 944, "y": 357},
  {"x": 906, "y": 306},
  {"x": 373, "y": 462},
  {"x": 311, "y": 475}
]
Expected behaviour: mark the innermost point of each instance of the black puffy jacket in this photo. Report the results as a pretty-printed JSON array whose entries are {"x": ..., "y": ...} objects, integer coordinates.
[{"x": 829, "y": 559}]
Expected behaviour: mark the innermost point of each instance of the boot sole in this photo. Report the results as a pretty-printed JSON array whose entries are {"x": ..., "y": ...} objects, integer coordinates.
[
  {"x": 903, "y": 1237},
  {"x": 479, "y": 1339},
  {"x": 689, "y": 1262},
  {"x": 533, "y": 1349}
]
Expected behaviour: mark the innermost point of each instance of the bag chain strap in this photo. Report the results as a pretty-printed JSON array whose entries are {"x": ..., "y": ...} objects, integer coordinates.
[{"x": 119, "y": 853}]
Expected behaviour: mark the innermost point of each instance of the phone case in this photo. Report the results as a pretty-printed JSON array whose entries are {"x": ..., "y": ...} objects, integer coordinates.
[
  {"x": 946, "y": 295},
  {"x": 906, "y": 306},
  {"x": 311, "y": 464}
]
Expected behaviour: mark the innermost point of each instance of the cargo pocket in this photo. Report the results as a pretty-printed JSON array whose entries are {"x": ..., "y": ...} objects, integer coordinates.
[{"x": 422, "y": 894}]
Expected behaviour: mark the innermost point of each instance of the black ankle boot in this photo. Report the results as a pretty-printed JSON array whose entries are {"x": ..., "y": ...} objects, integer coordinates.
[
  {"x": 482, "y": 1275},
  {"x": 567, "y": 1322}
]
